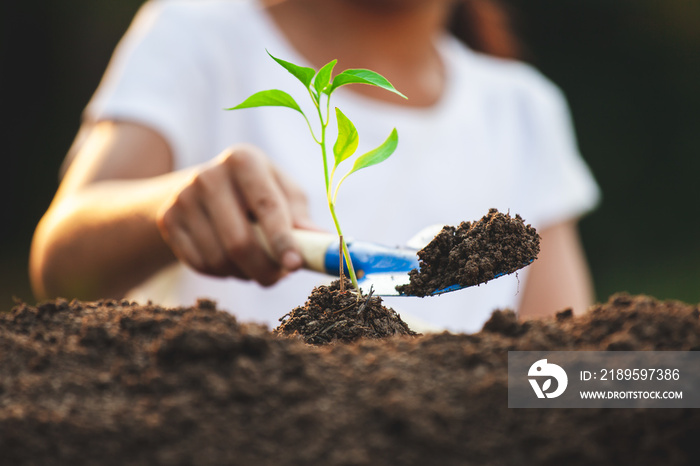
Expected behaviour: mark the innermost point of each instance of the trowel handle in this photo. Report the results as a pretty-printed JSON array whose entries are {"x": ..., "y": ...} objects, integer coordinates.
[
  {"x": 320, "y": 252},
  {"x": 313, "y": 246}
]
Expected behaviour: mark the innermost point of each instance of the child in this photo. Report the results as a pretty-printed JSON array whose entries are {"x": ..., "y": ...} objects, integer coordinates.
[{"x": 162, "y": 185}]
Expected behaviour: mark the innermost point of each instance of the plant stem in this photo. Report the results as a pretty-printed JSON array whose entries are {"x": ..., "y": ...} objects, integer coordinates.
[
  {"x": 331, "y": 202},
  {"x": 322, "y": 143},
  {"x": 341, "y": 271},
  {"x": 346, "y": 253}
]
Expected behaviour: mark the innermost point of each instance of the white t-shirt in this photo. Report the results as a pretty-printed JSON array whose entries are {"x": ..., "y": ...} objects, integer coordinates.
[{"x": 499, "y": 137}]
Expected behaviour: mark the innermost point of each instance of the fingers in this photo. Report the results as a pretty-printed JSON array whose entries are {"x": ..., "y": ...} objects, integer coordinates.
[
  {"x": 229, "y": 219},
  {"x": 186, "y": 228},
  {"x": 209, "y": 222},
  {"x": 258, "y": 185}
]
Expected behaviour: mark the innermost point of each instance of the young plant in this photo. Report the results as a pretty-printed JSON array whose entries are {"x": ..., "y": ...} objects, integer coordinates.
[{"x": 320, "y": 85}]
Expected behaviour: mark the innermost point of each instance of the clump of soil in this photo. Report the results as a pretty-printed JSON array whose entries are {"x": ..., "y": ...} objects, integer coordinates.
[
  {"x": 473, "y": 253},
  {"x": 114, "y": 383},
  {"x": 331, "y": 315}
]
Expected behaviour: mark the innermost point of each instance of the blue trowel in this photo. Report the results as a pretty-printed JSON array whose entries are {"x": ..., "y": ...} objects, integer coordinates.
[{"x": 378, "y": 267}]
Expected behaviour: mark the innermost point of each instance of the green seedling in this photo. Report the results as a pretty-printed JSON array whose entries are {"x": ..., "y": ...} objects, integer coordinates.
[{"x": 321, "y": 84}]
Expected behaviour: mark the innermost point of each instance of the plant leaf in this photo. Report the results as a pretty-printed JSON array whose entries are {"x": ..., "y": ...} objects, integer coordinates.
[
  {"x": 269, "y": 98},
  {"x": 379, "y": 154},
  {"x": 323, "y": 77},
  {"x": 361, "y": 76},
  {"x": 348, "y": 139},
  {"x": 302, "y": 73}
]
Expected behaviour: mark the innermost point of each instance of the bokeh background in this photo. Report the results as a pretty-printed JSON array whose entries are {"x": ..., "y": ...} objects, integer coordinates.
[{"x": 630, "y": 69}]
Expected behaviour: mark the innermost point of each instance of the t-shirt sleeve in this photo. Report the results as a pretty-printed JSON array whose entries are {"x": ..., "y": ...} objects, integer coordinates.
[
  {"x": 556, "y": 184},
  {"x": 157, "y": 77}
]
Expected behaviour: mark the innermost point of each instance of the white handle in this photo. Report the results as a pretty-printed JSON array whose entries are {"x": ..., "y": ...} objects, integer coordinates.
[{"x": 312, "y": 246}]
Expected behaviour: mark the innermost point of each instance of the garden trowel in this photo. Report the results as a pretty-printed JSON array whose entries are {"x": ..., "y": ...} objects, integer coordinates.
[{"x": 378, "y": 267}]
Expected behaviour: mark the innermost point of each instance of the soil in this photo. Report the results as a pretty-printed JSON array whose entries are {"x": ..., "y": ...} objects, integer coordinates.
[
  {"x": 473, "y": 253},
  {"x": 331, "y": 315},
  {"x": 115, "y": 383}
]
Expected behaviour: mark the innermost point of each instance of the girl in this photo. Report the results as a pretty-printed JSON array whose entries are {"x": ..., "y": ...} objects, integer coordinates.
[{"x": 161, "y": 184}]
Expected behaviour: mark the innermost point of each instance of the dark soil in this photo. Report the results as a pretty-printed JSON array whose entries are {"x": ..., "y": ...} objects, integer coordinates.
[
  {"x": 113, "y": 383},
  {"x": 473, "y": 253},
  {"x": 331, "y": 315}
]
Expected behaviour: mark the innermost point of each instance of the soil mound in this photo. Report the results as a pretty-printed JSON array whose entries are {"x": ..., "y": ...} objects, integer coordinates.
[
  {"x": 331, "y": 315},
  {"x": 113, "y": 383},
  {"x": 473, "y": 253}
]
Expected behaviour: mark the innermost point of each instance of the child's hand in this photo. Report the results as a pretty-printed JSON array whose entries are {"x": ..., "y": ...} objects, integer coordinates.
[{"x": 208, "y": 223}]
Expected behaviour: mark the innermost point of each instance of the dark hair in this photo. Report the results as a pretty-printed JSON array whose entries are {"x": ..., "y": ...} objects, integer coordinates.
[{"x": 485, "y": 26}]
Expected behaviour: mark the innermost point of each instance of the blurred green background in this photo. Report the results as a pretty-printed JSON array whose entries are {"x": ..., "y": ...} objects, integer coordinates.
[{"x": 630, "y": 69}]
